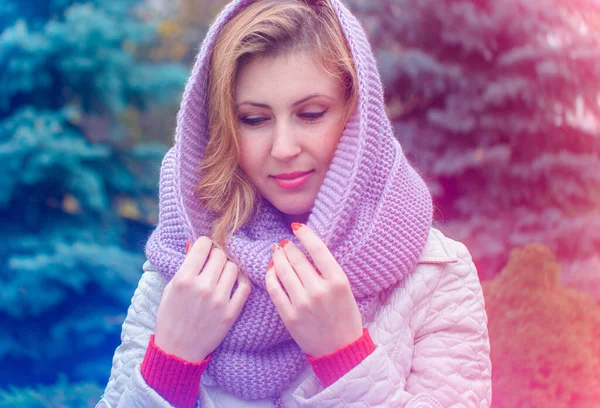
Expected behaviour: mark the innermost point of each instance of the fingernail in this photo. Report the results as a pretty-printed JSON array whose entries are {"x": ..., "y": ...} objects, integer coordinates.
[
  {"x": 283, "y": 243},
  {"x": 296, "y": 226},
  {"x": 270, "y": 265},
  {"x": 275, "y": 247},
  {"x": 188, "y": 245}
]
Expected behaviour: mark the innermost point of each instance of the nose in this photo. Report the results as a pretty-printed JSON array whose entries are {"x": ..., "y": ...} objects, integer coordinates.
[{"x": 285, "y": 144}]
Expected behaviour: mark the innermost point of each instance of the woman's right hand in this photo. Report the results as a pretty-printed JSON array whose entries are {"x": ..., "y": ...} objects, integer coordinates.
[{"x": 197, "y": 308}]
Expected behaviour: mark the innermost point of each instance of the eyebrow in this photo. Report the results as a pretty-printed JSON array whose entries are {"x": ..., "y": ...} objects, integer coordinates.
[{"x": 264, "y": 105}]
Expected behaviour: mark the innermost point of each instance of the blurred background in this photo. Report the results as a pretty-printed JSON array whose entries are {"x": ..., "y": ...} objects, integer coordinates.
[{"x": 496, "y": 102}]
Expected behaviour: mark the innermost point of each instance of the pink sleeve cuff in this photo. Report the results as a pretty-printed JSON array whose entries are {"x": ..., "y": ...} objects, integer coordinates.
[
  {"x": 174, "y": 379},
  {"x": 331, "y": 367}
]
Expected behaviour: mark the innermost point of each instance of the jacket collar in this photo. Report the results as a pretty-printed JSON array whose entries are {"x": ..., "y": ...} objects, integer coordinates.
[{"x": 436, "y": 249}]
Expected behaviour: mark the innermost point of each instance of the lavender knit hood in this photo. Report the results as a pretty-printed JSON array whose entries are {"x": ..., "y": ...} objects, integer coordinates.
[{"x": 373, "y": 212}]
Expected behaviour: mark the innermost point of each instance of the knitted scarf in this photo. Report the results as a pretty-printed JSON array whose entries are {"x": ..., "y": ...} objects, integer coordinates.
[{"x": 373, "y": 212}]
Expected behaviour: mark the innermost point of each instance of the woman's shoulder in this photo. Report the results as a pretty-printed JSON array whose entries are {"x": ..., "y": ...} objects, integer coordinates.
[
  {"x": 151, "y": 275},
  {"x": 441, "y": 249},
  {"x": 150, "y": 286},
  {"x": 443, "y": 283},
  {"x": 443, "y": 260}
]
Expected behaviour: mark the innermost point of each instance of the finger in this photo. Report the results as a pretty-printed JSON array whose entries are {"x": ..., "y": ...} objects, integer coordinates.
[
  {"x": 277, "y": 294},
  {"x": 214, "y": 266},
  {"x": 241, "y": 294},
  {"x": 320, "y": 254},
  {"x": 195, "y": 258},
  {"x": 166, "y": 291},
  {"x": 289, "y": 279},
  {"x": 304, "y": 269},
  {"x": 227, "y": 279}
]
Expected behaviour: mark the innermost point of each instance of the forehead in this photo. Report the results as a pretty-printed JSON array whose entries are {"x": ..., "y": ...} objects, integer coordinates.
[{"x": 286, "y": 76}]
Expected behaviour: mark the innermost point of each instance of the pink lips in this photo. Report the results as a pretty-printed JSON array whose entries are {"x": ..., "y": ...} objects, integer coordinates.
[{"x": 291, "y": 181}]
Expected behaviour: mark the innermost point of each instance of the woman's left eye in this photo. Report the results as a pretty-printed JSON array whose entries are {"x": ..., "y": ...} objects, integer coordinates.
[{"x": 312, "y": 116}]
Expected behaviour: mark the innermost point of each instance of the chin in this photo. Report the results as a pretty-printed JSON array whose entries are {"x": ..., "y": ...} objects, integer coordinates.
[{"x": 293, "y": 206}]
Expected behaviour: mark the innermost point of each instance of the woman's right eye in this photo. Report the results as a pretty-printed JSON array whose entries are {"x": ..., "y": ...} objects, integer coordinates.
[{"x": 253, "y": 120}]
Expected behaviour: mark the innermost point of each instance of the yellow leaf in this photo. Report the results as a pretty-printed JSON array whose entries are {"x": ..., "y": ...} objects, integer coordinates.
[
  {"x": 71, "y": 205},
  {"x": 127, "y": 208}
]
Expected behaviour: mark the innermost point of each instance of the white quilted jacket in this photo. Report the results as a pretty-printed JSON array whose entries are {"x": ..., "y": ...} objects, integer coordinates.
[{"x": 431, "y": 337}]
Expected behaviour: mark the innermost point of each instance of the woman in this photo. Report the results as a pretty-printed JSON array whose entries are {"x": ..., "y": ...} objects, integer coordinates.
[{"x": 294, "y": 263}]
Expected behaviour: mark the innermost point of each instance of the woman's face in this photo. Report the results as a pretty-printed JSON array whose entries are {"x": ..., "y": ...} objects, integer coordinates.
[{"x": 290, "y": 115}]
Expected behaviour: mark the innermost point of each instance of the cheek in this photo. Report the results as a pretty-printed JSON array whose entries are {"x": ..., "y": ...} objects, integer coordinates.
[
  {"x": 245, "y": 161},
  {"x": 251, "y": 156},
  {"x": 330, "y": 141}
]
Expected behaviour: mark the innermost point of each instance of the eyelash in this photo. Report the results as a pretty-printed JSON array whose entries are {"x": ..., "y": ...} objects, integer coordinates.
[
  {"x": 309, "y": 117},
  {"x": 313, "y": 116},
  {"x": 253, "y": 122}
]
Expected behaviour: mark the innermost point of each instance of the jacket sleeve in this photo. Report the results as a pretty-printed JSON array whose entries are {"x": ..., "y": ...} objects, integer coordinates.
[
  {"x": 126, "y": 386},
  {"x": 450, "y": 365}
]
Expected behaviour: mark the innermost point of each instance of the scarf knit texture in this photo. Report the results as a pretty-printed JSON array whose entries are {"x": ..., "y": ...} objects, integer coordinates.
[{"x": 373, "y": 211}]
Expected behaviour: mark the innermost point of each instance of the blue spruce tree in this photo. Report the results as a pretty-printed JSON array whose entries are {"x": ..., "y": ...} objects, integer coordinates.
[
  {"x": 496, "y": 102},
  {"x": 72, "y": 177}
]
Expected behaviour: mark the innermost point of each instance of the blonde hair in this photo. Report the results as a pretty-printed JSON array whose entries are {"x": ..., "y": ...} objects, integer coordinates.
[{"x": 268, "y": 28}]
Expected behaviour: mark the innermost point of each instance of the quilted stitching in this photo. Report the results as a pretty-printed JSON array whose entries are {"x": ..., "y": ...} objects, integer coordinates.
[
  {"x": 137, "y": 328},
  {"x": 433, "y": 348},
  {"x": 432, "y": 342}
]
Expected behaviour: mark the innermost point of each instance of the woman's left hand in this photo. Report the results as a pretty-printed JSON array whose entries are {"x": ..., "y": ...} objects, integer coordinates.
[{"x": 319, "y": 309}]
